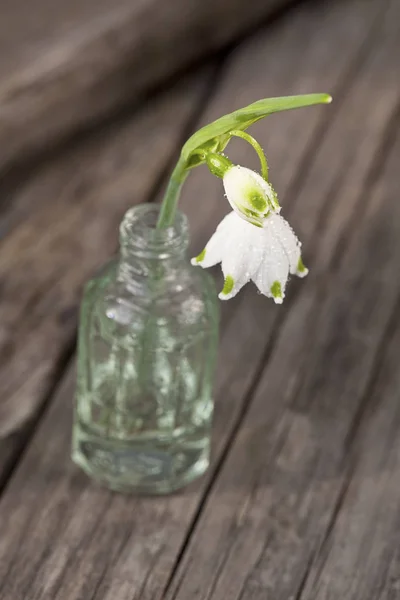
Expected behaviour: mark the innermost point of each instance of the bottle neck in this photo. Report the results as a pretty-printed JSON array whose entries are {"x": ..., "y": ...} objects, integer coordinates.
[
  {"x": 132, "y": 266},
  {"x": 147, "y": 252}
]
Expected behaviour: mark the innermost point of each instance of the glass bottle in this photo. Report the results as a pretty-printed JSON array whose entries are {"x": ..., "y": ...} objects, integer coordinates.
[{"x": 146, "y": 357}]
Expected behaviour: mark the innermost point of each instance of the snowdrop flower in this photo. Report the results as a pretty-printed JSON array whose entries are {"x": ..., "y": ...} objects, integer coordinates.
[{"x": 265, "y": 255}]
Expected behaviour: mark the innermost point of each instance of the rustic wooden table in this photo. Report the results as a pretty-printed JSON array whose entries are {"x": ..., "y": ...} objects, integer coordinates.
[{"x": 302, "y": 501}]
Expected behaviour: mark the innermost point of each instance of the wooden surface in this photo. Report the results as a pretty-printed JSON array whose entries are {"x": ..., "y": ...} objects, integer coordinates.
[
  {"x": 65, "y": 64},
  {"x": 302, "y": 500}
]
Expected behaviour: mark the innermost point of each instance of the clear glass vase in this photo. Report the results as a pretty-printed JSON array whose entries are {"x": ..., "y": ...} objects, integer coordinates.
[{"x": 147, "y": 348}]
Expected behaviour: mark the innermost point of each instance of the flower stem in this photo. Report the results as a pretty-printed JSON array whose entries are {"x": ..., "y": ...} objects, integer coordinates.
[
  {"x": 171, "y": 196},
  {"x": 248, "y": 138}
]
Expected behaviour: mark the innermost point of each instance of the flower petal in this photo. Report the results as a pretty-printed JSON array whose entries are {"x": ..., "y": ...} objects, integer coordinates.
[
  {"x": 232, "y": 285},
  {"x": 213, "y": 252},
  {"x": 266, "y": 255},
  {"x": 284, "y": 234},
  {"x": 242, "y": 257},
  {"x": 250, "y": 195},
  {"x": 272, "y": 275}
]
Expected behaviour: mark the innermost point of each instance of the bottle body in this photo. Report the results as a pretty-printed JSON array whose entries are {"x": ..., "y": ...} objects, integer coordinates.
[{"x": 147, "y": 348}]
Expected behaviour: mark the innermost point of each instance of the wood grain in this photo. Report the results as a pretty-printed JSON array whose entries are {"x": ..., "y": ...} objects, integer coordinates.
[
  {"x": 360, "y": 556},
  {"x": 65, "y": 64},
  {"x": 107, "y": 167},
  {"x": 268, "y": 529},
  {"x": 61, "y": 226},
  {"x": 84, "y": 542}
]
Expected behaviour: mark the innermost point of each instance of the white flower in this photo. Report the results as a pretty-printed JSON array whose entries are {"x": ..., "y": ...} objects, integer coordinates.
[
  {"x": 250, "y": 195},
  {"x": 266, "y": 255}
]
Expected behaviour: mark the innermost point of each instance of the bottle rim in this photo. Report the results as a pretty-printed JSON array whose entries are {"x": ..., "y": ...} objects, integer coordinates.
[{"x": 140, "y": 236}]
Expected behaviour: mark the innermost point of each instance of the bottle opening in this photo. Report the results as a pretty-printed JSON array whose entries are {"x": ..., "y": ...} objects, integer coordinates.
[{"x": 139, "y": 233}]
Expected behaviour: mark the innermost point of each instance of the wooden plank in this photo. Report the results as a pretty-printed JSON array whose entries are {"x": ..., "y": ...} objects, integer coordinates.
[
  {"x": 271, "y": 515},
  {"x": 63, "y": 181},
  {"x": 360, "y": 553},
  {"x": 62, "y": 225},
  {"x": 65, "y": 64},
  {"x": 86, "y": 542}
]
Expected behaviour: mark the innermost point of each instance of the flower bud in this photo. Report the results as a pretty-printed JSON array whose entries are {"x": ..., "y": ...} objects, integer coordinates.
[{"x": 250, "y": 196}]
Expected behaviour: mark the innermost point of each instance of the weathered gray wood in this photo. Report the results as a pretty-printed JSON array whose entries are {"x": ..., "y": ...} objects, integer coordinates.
[
  {"x": 62, "y": 225},
  {"x": 359, "y": 559},
  {"x": 85, "y": 180},
  {"x": 84, "y": 542},
  {"x": 268, "y": 529},
  {"x": 65, "y": 64}
]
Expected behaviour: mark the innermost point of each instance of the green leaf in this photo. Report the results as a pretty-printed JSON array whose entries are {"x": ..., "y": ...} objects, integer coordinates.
[{"x": 217, "y": 133}]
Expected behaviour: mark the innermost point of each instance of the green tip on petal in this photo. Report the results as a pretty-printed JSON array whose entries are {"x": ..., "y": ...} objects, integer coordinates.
[
  {"x": 300, "y": 266},
  {"x": 201, "y": 256},
  {"x": 276, "y": 291},
  {"x": 301, "y": 270},
  {"x": 228, "y": 285}
]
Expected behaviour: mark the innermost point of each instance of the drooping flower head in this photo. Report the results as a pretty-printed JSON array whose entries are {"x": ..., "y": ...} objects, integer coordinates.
[
  {"x": 265, "y": 255},
  {"x": 253, "y": 242}
]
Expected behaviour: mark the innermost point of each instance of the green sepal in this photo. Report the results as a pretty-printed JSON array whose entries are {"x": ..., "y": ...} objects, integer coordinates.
[
  {"x": 218, "y": 164},
  {"x": 212, "y": 145},
  {"x": 195, "y": 160},
  {"x": 215, "y": 136},
  {"x": 198, "y": 156}
]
